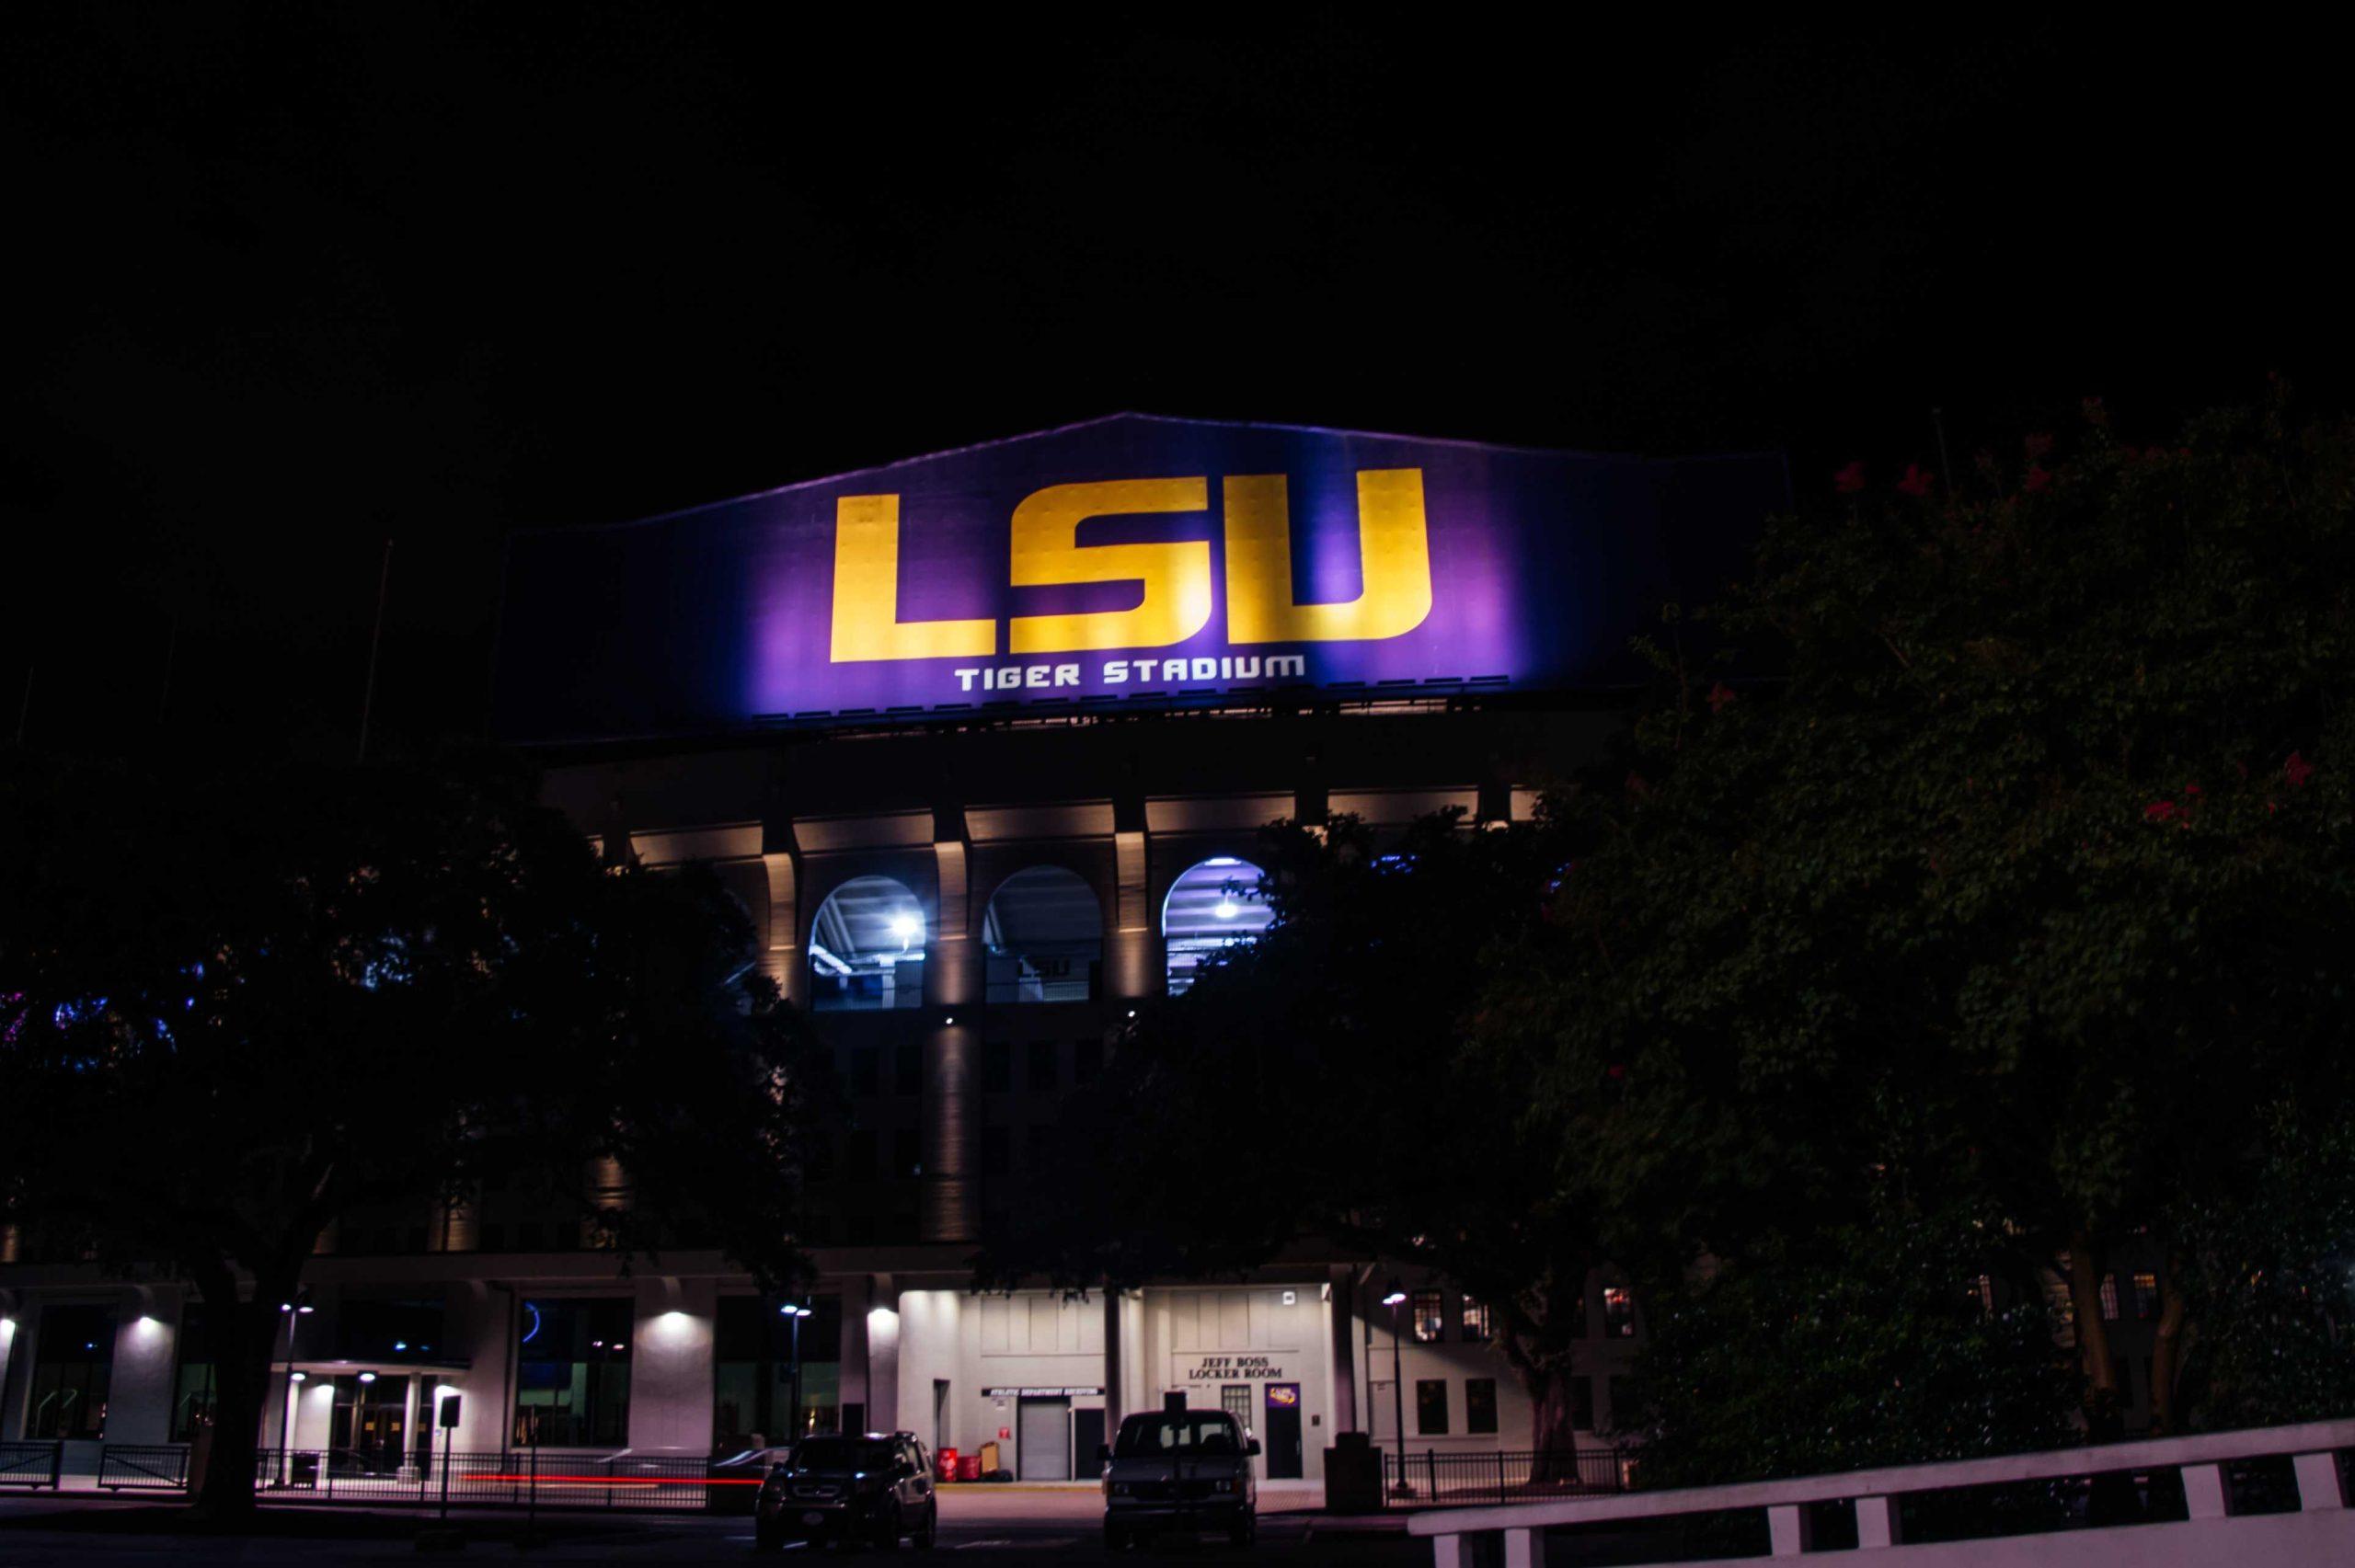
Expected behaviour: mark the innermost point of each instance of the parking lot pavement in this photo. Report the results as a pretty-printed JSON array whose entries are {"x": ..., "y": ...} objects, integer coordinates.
[{"x": 996, "y": 1524}]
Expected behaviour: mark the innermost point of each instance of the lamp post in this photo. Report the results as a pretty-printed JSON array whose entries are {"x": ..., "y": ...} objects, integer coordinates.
[
  {"x": 1394, "y": 1300},
  {"x": 794, "y": 1312},
  {"x": 294, "y": 1312}
]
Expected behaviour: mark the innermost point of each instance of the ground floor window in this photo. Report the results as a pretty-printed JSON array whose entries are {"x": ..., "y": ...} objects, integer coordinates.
[
  {"x": 72, "y": 1364},
  {"x": 1479, "y": 1404},
  {"x": 756, "y": 1355},
  {"x": 572, "y": 1374},
  {"x": 1431, "y": 1407}
]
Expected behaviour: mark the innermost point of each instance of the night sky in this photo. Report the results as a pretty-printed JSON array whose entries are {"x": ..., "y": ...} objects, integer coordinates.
[{"x": 289, "y": 281}]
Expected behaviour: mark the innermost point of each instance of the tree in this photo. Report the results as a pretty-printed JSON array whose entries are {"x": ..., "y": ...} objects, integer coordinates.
[
  {"x": 264, "y": 1000},
  {"x": 2023, "y": 888},
  {"x": 1333, "y": 1040}
]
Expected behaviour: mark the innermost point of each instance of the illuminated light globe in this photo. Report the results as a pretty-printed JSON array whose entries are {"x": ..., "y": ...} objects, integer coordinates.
[{"x": 1213, "y": 906}]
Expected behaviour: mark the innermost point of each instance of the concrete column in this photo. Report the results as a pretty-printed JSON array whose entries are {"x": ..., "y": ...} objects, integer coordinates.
[
  {"x": 783, "y": 958},
  {"x": 138, "y": 1390},
  {"x": 670, "y": 1364},
  {"x": 11, "y": 1380},
  {"x": 1113, "y": 1406},
  {"x": 952, "y": 988},
  {"x": 1132, "y": 961},
  {"x": 1341, "y": 1375},
  {"x": 882, "y": 1355},
  {"x": 481, "y": 1329}
]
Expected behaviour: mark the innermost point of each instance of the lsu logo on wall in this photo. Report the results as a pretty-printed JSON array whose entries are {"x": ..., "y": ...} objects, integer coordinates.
[{"x": 1179, "y": 587}]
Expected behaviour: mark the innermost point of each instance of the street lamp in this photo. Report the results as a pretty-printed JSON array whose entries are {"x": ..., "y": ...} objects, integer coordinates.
[
  {"x": 1394, "y": 1300},
  {"x": 294, "y": 1312},
  {"x": 795, "y": 1311}
]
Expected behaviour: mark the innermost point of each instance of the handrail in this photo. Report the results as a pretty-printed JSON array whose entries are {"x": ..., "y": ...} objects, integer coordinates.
[{"x": 2206, "y": 1449}]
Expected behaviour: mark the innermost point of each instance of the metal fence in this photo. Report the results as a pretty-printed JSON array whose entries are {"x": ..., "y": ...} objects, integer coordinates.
[
  {"x": 143, "y": 1467},
  {"x": 1506, "y": 1477},
  {"x": 526, "y": 1479},
  {"x": 31, "y": 1464}
]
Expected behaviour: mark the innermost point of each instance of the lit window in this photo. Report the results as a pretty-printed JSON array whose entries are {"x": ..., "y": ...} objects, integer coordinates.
[
  {"x": 1476, "y": 1320},
  {"x": 1982, "y": 1290},
  {"x": 866, "y": 948},
  {"x": 1618, "y": 1313},
  {"x": 1430, "y": 1317},
  {"x": 2146, "y": 1296},
  {"x": 1043, "y": 938},
  {"x": 2110, "y": 1298},
  {"x": 1213, "y": 907}
]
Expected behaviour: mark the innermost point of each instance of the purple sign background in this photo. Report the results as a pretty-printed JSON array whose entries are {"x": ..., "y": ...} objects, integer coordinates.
[{"x": 1542, "y": 565}]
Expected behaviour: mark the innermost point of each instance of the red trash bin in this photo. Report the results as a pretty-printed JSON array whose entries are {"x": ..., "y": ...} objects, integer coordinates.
[
  {"x": 969, "y": 1466},
  {"x": 945, "y": 1462}
]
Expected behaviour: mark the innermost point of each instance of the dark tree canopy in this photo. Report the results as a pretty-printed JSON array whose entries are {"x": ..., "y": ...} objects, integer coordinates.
[
  {"x": 2024, "y": 887},
  {"x": 275, "y": 997}
]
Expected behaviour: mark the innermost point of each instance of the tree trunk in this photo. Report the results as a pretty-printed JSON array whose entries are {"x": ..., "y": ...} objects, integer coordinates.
[
  {"x": 242, "y": 1336},
  {"x": 2166, "y": 1353},
  {"x": 1552, "y": 1429},
  {"x": 2093, "y": 1338}
]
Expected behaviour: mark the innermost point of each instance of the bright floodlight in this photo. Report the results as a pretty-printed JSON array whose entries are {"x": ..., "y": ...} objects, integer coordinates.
[
  {"x": 904, "y": 926},
  {"x": 1226, "y": 909},
  {"x": 1393, "y": 1297}
]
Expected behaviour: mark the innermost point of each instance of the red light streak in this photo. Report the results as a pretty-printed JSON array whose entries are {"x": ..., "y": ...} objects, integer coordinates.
[{"x": 613, "y": 1479}]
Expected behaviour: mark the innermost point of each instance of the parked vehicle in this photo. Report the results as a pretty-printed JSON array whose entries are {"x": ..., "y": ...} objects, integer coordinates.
[
  {"x": 1186, "y": 1470},
  {"x": 731, "y": 1470},
  {"x": 876, "y": 1488}
]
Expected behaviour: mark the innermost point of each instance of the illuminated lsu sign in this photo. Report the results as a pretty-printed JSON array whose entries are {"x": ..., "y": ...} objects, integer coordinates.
[
  {"x": 1131, "y": 560},
  {"x": 1176, "y": 603}
]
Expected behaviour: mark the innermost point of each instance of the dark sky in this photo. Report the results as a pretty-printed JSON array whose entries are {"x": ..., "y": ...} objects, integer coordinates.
[{"x": 289, "y": 281}]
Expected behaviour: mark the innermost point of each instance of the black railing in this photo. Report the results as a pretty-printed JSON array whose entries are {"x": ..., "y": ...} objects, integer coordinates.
[
  {"x": 142, "y": 1466},
  {"x": 1435, "y": 1477},
  {"x": 477, "y": 1480},
  {"x": 31, "y": 1464}
]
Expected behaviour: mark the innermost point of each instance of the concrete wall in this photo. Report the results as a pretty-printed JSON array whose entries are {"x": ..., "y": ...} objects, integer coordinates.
[
  {"x": 670, "y": 1364},
  {"x": 146, "y": 1338}
]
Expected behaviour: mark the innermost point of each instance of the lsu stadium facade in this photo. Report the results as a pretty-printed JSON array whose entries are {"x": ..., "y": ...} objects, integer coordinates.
[{"x": 982, "y": 741}]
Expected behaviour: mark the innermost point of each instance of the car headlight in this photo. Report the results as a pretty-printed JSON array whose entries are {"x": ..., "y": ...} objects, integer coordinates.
[
  {"x": 1221, "y": 1486},
  {"x": 1119, "y": 1488}
]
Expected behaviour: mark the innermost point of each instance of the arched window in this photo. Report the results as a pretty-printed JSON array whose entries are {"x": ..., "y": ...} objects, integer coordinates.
[
  {"x": 1044, "y": 937},
  {"x": 1211, "y": 906},
  {"x": 866, "y": 948}
]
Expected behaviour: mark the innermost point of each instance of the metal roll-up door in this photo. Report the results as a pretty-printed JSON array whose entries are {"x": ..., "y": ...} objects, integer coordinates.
[{"x": 1042, "y": 1440}]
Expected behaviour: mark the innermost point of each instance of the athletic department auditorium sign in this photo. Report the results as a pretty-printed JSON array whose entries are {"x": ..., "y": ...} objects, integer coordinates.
[{"x": 1128, "y": 561}]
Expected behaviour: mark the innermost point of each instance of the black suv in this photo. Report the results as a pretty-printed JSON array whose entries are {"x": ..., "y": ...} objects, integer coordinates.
[{"x": 873, "y": 1488}]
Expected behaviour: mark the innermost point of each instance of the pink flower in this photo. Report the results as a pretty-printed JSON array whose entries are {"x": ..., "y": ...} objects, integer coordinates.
[
  {"x": 1616, "y": 1070},
  {"x": 2160, "y": 811},
  {"x": 1915, "y": 483},
  {"x": 2038, "y": 445},
  {"x": 2038, "y": 480},
  {"x": 1851, "y": 479},
  {"x": 2297, "y": 770},
  {"x": 2191, "y": 789},
  {"x": 1719, "y": 695}
]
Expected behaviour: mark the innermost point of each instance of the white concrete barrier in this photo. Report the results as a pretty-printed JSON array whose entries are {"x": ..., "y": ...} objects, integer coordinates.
[{"x": 2321, "y": 1531}]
